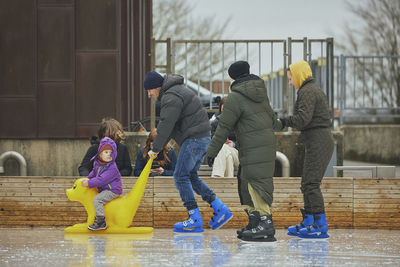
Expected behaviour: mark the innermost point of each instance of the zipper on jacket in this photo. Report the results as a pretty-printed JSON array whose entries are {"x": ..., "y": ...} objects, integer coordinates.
[{"x": 98, "y": 170}]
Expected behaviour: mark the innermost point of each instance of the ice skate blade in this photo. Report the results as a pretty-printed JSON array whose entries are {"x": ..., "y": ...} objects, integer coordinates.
[
  {"x": 315, "y": 236},
  {"x": 265, "y": 239},
  {"x": 291, "y": 234},
  {"x": 226, "y": 219},
  {"x": 194, "y": 230},
  {"x": 188, "y": 234}
]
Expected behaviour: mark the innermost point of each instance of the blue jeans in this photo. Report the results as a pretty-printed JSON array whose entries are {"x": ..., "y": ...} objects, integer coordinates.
[{"x": 191, "y": 155}]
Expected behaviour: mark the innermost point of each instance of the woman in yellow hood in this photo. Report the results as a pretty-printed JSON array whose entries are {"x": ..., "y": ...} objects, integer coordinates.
[
  {"x": 298, "y": 73},
  {"x": 313, "y": 118}
]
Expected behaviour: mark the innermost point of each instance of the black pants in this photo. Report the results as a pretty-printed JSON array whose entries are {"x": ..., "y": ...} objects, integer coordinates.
[{"x": 318, "y": 152}]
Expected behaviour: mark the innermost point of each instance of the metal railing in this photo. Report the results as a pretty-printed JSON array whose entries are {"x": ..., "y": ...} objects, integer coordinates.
[
  {"x": 205, "y": 63},
  {"x": 368, "y": 89},
  {"x": 356, "y": 86}
]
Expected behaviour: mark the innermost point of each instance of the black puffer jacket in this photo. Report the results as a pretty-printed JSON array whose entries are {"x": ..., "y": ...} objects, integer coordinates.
[{"x": 182, "y": 115}]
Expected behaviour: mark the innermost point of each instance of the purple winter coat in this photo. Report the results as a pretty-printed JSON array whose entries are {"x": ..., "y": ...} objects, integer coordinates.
[{"x": 106, "y": 177}]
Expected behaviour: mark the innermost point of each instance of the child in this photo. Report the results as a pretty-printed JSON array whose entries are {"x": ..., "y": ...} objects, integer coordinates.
[
  {"x": 112, "y": 128},
  {"x": 107, "y": 178},
  {"x": 163, "y": 165}
]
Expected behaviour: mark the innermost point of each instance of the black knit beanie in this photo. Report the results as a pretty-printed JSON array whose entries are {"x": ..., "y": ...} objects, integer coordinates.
[
  {"x": 239, "y": 68},
  {"x": 153, "y": 80}
]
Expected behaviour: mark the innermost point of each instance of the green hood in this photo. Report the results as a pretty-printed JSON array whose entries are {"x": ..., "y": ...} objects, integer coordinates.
[{"x": 252, "y": 89}]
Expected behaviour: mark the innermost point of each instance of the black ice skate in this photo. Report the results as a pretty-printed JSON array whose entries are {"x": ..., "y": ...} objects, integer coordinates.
[
  {"x": 253, "y": 222},
  {"x": 98, "y": 224},
  {"x": 263, "y": 232}
]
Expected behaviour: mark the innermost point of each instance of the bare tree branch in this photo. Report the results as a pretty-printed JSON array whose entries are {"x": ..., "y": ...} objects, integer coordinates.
[
  {"x": 174, "y": 19},
  {"x": 378, "y": 35}
]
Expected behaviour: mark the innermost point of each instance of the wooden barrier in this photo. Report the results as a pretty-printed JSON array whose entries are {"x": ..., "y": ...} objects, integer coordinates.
[
  {"x": 349, "y": 202},
  {"x": 41, "y": 202},
  {"x": 377, "y": 203}
]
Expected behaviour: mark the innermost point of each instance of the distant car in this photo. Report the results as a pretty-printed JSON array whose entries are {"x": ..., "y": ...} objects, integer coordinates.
[{"x": 204, "y": 95}]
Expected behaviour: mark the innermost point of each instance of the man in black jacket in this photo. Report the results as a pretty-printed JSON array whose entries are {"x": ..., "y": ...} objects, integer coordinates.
[{"x": 183, "y": 118}]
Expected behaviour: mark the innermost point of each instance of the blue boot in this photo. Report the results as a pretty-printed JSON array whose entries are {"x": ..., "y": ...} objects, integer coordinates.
[
  {"x": 319, "y": 229},
  {"x": 221, "y": 214},
  {"x": 192, "y": 225},
  {"x": 308, "y": 219}
]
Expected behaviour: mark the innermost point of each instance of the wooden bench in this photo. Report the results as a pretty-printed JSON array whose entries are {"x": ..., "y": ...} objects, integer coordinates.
[{"x": 349, "y": 202}]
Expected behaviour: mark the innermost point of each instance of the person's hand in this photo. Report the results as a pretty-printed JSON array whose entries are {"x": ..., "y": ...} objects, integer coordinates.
[
  {"x": 210, "y": 161},
  {"x": 229, "y": 142},
  {"x": 159, "y": 170},
  {"x": 152, "y": 154},
  {"x": 85, "y": 182}
]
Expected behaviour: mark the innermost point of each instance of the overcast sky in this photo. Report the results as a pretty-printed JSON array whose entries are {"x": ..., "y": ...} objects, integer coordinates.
[{"x": 278, "y": 19}]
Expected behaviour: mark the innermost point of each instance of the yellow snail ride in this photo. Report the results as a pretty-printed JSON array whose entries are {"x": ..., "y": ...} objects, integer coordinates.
[{"x": 119, "y": 212}]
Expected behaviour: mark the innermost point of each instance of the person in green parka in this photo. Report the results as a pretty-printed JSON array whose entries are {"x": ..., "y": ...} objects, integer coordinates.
[{"x": 248, "y": 113}]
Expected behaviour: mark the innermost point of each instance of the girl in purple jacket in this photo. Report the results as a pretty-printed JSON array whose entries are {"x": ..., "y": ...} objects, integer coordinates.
[{"x": 107, "y": 178}]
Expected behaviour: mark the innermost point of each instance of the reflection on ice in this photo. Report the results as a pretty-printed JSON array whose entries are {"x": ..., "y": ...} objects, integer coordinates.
[
  {"x": 50, "y": 247},
  {"x": 116, "y": 250},
  {"x": 220, "y": 252},
  {"x": 311, "y": 252}
]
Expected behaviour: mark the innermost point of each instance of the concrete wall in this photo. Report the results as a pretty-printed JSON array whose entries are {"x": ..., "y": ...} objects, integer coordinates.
[
  {"x": 45, "y": 157},
  {"x": 372, "y": 143},
  {"x": 61, "y": 157},
  {"x": 56, "y": 157}
]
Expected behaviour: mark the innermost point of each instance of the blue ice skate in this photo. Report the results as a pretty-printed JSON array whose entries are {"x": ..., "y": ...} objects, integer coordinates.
[
  {"x": 221, "y": 216},
  {"x": 308, "y": 219},
  {"x": 192, "y": 225},
  {"x": 319, "y": 229}
]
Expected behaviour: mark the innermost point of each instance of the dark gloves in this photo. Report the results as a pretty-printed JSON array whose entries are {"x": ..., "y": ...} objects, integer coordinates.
[
  {"x": 283, "y": 120},
  {"x": 210, "y": 161}
]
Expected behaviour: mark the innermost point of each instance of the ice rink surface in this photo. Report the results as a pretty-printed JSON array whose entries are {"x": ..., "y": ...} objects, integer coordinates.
[{"x": 51, "y": 247}]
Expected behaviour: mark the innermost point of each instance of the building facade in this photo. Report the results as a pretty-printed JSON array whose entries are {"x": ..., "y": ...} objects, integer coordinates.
[{"x": 66, "y": 64}]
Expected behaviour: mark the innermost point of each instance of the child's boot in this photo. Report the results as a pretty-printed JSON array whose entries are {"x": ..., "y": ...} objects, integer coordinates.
[
  {"x": 98, "y": 224},
  {"x": 308, "y": 219},
  {"x": 319, "y": 229},
  {"x": 263, "y": 232},
  {"x": 221, "y": 214},
  {"x": 193, "y": 224}
]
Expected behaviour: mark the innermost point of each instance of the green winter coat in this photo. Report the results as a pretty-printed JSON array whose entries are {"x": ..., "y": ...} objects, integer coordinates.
[{"x": 248, "y": 113}]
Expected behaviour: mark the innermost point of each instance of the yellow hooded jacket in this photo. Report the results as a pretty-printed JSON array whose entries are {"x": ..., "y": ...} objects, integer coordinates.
[{"x": 300, "y": 72}]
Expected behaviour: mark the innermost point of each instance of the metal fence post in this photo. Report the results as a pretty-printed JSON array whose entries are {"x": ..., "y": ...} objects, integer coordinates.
[
  {"x": 285, "y": 81},
  {"x": 330, "y": 71},
  {"x": 169, "y": 56},
  {"x": 290, "y": 95},
  {"x": 342, "y": 87},
  {"x": 152, "y": 102},
  {"x": 305, "y": 48}
]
